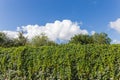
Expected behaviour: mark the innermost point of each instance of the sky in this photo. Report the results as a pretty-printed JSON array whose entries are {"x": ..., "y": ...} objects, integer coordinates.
[{"x": 60, "y": 19}]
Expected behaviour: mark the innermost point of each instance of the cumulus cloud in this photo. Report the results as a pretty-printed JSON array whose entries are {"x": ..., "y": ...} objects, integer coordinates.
[
  {"x": 59, "y": 30},
  {"x": 115, "y": 25},
  {"x": 115, "y": 42},
  {"x": 93, "y": 32},
  {"x": 62, "y": 30}
]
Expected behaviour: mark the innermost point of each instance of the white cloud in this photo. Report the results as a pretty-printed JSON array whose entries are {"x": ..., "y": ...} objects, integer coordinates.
[
  {"x": 115, "y": 25},
  {"x": 62, "y": 30},
  {"x": 115, "y": 42},
  {"x": 93, "y": 32}
]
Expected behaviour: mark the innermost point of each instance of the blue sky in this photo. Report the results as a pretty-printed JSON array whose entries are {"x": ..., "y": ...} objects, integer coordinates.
[{"x": 95, "y": 15}]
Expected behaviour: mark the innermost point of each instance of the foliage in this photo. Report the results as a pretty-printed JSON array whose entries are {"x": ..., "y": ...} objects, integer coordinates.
[
  {"x": 64, "y": 62},
  {"x": 101, "y": 38},
  {"x": 81, "y": 39},
  {"x": 97, "y": 38},
  {"x": 42, "y": 40},
  {"x": 5, "y": 41},
  {"x": 21, "y": 40}
]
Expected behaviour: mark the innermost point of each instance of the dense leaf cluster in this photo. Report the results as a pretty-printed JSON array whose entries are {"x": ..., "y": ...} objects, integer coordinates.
[
  {"x": 43, "y": 40},
  {"x": 21, "y": 40},
  {"x": 97, "y": 38},
  {"x": 63, "y": 62}
]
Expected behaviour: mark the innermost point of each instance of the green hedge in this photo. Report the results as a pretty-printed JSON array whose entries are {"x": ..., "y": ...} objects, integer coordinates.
[{"x": 65, "y": 62}]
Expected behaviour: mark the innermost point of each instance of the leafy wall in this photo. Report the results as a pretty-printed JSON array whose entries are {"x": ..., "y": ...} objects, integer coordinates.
[{"x": 65, "y": 62}]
